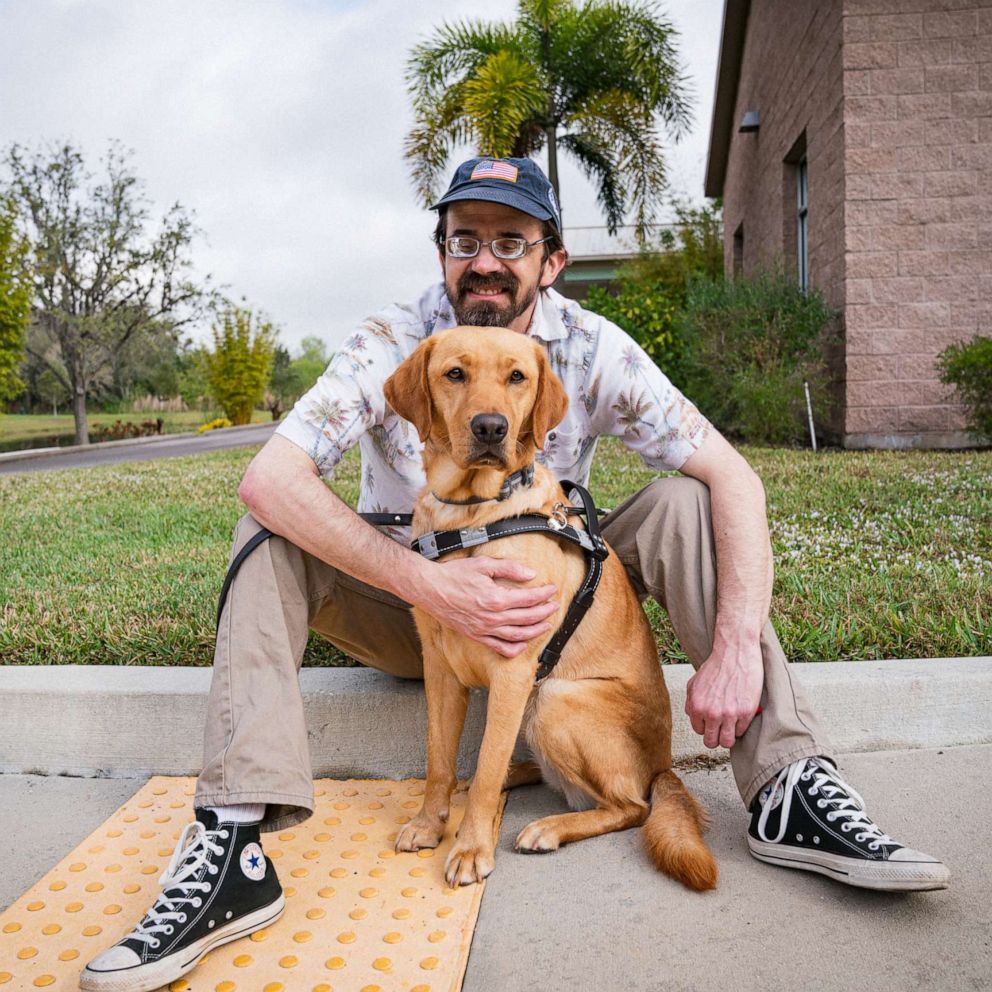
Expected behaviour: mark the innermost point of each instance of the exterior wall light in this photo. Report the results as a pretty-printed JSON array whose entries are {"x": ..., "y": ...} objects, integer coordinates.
[{"x": 751, "y": 121}]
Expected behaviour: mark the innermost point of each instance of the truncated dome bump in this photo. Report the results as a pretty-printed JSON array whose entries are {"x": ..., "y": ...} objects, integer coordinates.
[{"x": 371, "y": 929}]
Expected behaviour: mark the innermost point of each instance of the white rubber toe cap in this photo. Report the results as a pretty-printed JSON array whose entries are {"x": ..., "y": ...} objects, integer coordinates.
[
  {"x": 908, "y": 854},
  {"x": 114, "y": 959}
]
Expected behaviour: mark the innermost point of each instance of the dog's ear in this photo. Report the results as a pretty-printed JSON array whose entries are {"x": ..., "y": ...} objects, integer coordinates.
[
  {"x": 551, "y": 403},
  {"x": 408, "y": 392}
]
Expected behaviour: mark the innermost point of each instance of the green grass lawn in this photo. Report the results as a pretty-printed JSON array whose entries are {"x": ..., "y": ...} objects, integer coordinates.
[
  {"x": 38, "y": 430},
  {"x": 878, "y": 555}
]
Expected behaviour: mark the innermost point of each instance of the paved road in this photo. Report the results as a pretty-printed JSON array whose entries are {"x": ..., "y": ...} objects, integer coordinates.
[{"x": 168, "y": 446}]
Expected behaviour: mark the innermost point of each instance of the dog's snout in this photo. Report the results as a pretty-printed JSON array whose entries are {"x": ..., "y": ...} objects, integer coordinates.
[{"x": 489, "y": 428}]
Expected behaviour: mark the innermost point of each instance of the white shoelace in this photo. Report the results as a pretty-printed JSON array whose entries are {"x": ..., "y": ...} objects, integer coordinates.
[
  {"x": 187, "y": 859},
  {"x": 837, "y": 794}
]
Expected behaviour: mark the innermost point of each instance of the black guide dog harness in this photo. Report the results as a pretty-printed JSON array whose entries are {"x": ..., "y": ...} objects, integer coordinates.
[{"x": 437, "y": 543}]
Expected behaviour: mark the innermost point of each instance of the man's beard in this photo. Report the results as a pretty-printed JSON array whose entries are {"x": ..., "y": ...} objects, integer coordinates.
[{"x": 486, "y": 313}]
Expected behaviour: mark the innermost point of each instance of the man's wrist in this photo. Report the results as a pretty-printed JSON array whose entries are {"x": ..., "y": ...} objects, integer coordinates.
[
  {"x": 418, "y": 582},
  {"x": 738, "y": 647}
]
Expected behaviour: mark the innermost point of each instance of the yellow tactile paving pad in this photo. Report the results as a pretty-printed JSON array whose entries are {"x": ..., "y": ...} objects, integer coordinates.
[{"x": 359, "y": 917}]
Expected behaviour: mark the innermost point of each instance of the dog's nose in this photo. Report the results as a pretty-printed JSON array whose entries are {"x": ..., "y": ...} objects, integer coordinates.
[{"x": 489, "y": 428}]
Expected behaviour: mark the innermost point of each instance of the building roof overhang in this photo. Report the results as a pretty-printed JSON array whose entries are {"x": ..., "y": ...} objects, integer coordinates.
[{"x": 728, "y": 74}]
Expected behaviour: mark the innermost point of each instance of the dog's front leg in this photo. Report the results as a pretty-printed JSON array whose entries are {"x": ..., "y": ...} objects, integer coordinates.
[
  {"x": 473, "y": 856},
  {"x": 447, "y": 701}
]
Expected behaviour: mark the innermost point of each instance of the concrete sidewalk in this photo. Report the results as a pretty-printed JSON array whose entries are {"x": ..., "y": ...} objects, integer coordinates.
[
  {"x": 915, "y": 739},
  {"x": 120, "y": 722},
  {"x": 595, "y": 916}
]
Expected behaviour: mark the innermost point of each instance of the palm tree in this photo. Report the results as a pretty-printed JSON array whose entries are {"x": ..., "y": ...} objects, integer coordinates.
[{"x": 592, "y": 78}]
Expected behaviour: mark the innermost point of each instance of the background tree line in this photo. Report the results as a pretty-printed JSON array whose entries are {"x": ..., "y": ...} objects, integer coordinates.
[{"x": 97, "y": 302}]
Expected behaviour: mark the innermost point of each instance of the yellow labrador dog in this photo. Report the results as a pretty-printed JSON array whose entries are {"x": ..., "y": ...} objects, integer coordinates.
[{"x": 599, "y": 726}]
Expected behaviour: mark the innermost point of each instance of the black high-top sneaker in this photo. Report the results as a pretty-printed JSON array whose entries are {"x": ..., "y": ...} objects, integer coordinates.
[
  {"x": 810, "y": 818},
  {"x": 218, "y": 887}
]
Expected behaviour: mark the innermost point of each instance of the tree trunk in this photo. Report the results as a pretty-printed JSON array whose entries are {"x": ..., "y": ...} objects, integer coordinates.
[
  {"x": 78, "y": 378},
  {"x": 551, "y": 132},
  {"x": 79, "y": 415}
]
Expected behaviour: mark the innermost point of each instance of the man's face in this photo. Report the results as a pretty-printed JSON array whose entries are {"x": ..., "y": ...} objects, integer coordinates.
[{"x": 493, "y": 292}]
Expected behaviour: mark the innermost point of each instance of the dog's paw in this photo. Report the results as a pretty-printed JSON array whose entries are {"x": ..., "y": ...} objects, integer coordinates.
[
  {"x": 419, "y": 833},
  {"x": 538, "y": 837},
  {"x": 466, "y": 865}
]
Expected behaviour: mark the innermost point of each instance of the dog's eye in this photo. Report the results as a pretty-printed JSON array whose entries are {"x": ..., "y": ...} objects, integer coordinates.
[
  {"x": 455, "y": 375},
  {"x": 517, "y": 376}
]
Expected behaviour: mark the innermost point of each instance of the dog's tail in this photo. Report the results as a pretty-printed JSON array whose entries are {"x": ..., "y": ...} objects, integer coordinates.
[{"x": 673, "y": 834}]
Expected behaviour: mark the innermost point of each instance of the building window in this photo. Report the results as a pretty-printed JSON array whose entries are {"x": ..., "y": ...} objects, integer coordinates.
[
  {"x": 802, "y": 224},
  {"x": 738, "y": 259}
]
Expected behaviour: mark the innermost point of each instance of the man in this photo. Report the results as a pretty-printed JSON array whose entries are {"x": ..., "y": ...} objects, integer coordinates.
[{"x": 698, "y": 543}]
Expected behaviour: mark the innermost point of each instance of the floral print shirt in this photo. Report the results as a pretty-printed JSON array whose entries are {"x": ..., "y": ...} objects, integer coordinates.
[{"x": 612, "y": 385}]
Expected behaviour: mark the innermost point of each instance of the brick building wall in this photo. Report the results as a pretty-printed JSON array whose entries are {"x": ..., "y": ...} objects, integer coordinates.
[
  {"x": 918, "y": 214},
  {"x": 894, "y": 98},
  {"x": 792, "y": 74}
]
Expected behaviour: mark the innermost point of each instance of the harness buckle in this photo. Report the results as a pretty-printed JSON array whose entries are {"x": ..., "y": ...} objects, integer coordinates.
[{"x": 559, "y": 517}]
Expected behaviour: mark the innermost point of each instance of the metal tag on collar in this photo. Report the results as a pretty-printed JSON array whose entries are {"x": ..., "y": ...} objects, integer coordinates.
[
  {"x": 524, "y": 477},
  {"x": 427, "y": 545},
  {"x": 471, "y": 536},
  {"x": 559, "y": 517}
]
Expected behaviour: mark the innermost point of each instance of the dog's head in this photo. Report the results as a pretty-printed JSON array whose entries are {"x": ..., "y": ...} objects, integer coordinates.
[{"x": 486, "y": 395}]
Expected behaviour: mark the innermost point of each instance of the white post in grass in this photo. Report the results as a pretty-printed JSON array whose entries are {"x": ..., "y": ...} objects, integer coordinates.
[{"x": 809, "y": 411}]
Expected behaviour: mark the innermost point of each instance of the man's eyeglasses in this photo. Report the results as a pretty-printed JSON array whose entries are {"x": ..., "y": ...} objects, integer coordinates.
[{"x": 504, "y": 248}]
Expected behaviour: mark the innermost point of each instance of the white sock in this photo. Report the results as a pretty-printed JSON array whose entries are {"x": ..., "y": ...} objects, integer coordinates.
[{"x": 239, "y": 813}]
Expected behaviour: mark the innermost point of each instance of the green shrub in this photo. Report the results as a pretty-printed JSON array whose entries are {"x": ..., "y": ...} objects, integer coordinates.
[
  {"x": 238, "y": 368},
  {"x": 218, "y": 423},
  {"x": 648, "y": 317},
  {"x": 750, "y": 344},
  {"x": 15, "y": 301},
  {"x": 968, "y": 366},
  {"x": 652, "y": 287}
]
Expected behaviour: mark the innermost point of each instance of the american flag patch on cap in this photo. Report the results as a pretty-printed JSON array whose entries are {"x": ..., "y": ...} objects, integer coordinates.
[{"x": 490, "y": 169}]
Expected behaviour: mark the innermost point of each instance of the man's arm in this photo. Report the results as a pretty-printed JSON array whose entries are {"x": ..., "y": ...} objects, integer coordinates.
[
  {"x": 724, "y": 694},
  {"x": 284, "y": 492}
]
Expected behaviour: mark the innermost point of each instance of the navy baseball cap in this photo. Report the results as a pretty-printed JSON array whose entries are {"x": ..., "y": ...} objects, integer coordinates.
[{"x": 515, "y": 182}]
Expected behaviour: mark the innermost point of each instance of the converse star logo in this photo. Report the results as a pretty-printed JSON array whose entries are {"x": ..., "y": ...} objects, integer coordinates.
[
  {"x": 253, "y": 862},
  {"x": 776, "y": 799}
]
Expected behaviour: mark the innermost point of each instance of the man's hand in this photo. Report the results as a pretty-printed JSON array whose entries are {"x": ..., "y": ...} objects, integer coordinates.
[
  {"x": 465, "y": 596},
  {"x": 722, "y": 697}
]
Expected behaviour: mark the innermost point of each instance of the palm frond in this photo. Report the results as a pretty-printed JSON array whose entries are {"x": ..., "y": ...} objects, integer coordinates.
[
  {"x": 502, "y": 95},
  {"x": 640, "y": 59},
  {"x": 604, "y": 73},
  {"x": 456, "y": 51},
  {"x": 544, "y": 15},
  {"x": 601, "y": 168},
  {"x": 431, "y": 141},
  {"x": 617, "y": 121}
]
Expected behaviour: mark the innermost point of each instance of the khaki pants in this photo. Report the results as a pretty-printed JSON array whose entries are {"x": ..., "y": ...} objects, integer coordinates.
[{"x": 255, "y": 743}]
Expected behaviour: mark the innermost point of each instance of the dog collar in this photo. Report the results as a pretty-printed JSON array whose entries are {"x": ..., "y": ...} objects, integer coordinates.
[{"x": 524, "y": 478}]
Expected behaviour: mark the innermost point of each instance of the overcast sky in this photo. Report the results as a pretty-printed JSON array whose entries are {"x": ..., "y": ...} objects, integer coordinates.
[{"x": 280, "y": 123}]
